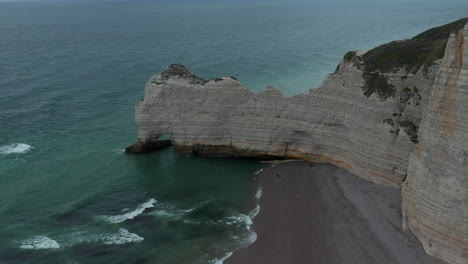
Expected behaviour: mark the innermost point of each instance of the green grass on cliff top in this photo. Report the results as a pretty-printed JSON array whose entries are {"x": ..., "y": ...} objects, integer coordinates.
[{"x": 421, "y": 50}]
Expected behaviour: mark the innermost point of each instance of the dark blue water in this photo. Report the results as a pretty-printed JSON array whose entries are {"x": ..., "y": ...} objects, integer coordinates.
[{"x": 70, "y": 74}]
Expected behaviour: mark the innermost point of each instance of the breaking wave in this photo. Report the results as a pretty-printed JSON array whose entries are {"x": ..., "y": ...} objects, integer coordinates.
[
  {"x": 239, "y": 218},
  {"x": 39, "y": 242},
  {"x": 15, "y": 148},
  {"x": 114, "y": 219},
  {"x": 122, "y": 237},
  {"x": 247, "y": 238},
  {"x": 244, "y": 239}
]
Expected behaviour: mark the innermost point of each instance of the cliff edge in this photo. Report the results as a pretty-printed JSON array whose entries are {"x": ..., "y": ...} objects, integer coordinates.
[{"x": 395, "y": 114}]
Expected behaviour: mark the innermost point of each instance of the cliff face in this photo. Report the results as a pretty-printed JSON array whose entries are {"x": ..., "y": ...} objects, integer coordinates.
[
  {"x": 435, "y": 202},
  {"x": 379, "y": 117},
  {"x": 335, "y": 123}
]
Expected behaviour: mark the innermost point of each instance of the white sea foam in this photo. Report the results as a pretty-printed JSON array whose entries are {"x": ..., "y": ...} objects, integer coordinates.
[
  {"x": 221, "y": 260},
  {"x": 39, "y": 242},
  {"x": 245, "y": 242},
  {"x": 251, "y": 239},
  {"x": 244, "y": 239},
  {"x": 114, "y": 219},
  {"x": 259, "y": 193},
  {"x": 258, "y": 172},
  {"x": 254, "y": 212},
  {"x": 239, "y": 218},
  {"x": 15, "y": 148},
  {"x": 122, "y": 237}
]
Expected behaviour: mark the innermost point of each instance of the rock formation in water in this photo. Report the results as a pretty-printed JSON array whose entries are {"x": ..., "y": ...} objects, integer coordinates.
[{"x": 394, "y": 115}]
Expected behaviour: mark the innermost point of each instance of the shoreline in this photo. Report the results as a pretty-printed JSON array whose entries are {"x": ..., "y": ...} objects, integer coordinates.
[{"x": 318, "y": 213}]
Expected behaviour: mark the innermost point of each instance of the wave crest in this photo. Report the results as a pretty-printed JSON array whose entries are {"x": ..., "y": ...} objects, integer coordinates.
[
  {"x": 114, "y": 219},
  {"x": 39, "y": 242},
  {"x": 122, "y": 237}
]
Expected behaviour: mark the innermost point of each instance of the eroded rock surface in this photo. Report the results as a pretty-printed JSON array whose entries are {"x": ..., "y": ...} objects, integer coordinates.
[{"x": 369, "y": 117}]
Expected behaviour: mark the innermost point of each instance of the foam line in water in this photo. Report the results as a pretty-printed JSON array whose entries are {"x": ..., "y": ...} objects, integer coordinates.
[
  {"x": 247, "y": 241},
  {"x": 15, "y": 148},
  {"x": 122, "y": 236},
  {"x": 254, "y": 212},
  {"x": 164, "y": 214},
  {"x": 170, "y": 213},
  {"x": 166, "y": 211},
  {"x": 114, "y": 219},
  {"x": 244, "y": 239},
  {"x": 39, "y": 242}
]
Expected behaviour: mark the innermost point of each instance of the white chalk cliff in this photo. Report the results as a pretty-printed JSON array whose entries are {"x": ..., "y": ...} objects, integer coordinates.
[
  {"x": 399, "y": 121},
  {"x": 435, "y": 193}
]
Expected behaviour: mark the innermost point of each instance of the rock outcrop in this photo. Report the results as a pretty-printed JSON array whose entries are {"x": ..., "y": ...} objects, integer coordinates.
[
  {"x": 393, "y": 113},
  {"x": 148, "y": 146}
]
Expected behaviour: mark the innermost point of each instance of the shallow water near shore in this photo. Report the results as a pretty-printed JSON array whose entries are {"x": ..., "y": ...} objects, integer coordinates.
[
  {"x": 138, "y": 208},
  {"x": 70, "y": 74}
]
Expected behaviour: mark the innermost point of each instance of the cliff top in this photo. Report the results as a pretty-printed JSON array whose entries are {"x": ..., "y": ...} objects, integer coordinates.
[
  {"x": 411, "y": 54},
  {"x": 179, "y": 70},
  {"x": 422, "y": 50}
]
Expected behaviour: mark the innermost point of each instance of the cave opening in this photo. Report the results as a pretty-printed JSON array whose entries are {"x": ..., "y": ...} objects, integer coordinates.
[{"x": 165, "y": 137}]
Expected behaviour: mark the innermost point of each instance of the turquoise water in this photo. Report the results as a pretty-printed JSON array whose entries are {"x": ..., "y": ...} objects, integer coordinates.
[{"x": 70, "y": 74}]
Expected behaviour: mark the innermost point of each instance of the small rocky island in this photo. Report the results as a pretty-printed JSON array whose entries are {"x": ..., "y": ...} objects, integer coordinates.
[{"x": 395, "y": 115}]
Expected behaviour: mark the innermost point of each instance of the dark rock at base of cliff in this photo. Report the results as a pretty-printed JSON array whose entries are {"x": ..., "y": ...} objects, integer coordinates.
[
  {"x": 149, "y": 146},
  {"x": 226, "y": 151}
]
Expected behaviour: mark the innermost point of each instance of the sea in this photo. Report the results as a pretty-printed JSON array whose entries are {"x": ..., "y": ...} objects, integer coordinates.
[{"x": 70, "y": 75}]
